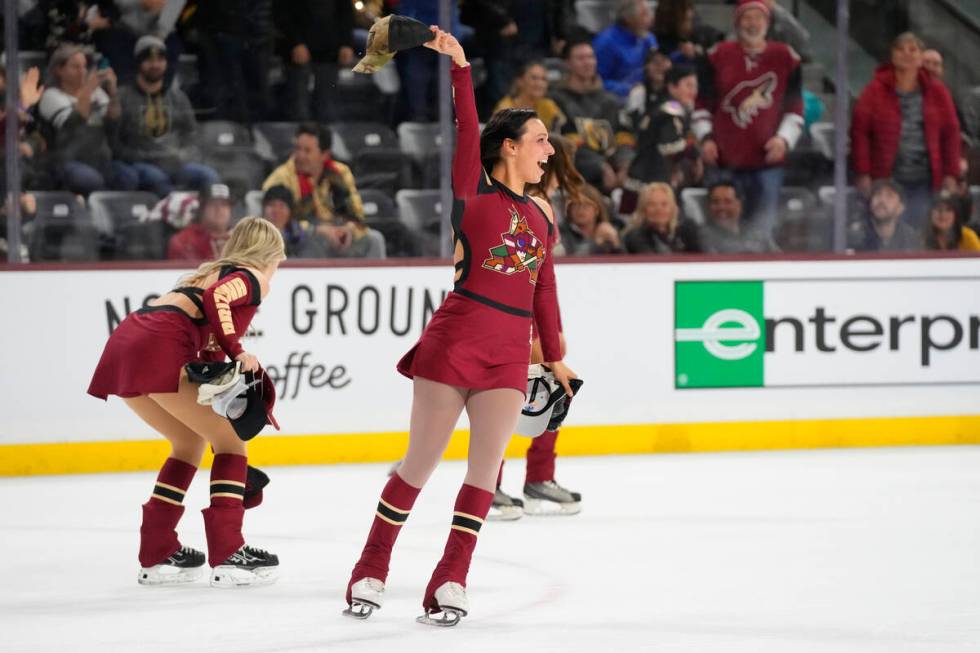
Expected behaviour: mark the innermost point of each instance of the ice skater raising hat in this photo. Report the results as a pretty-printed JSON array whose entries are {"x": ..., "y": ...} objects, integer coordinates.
[
  {"x": 388, "y": 36},
  {"x": 546, "y": 404}
]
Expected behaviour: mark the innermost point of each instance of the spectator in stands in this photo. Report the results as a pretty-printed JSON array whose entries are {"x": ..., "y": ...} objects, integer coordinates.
[
  {"x": 679, "y": 34},
  {"x": 79, "y": 105},
  {"x": 30, "y": 145},
  {"x": 904, "y": 127},
  {"x": 593, "y": 115},
  {"x": 125, "y": 21},
  {"x": 52, "y": 23},
  {"x": 325, "y": 195},
  {"x": 657, "y": 227},
  {"x": 236, "y": 44},
  {"x": 529, "y": 91},
  {"x": 945, "y": 230},
  {"x": 317, "y": 38},
  {"x": 785, "y": 28},
  {"x": 420, "y": 64},
  {"x": 751, "y": 111},
  {"x": 587, "y": 230},
  {"x": 156, "y": 131},
  {"x": 621, "y": 48},
  {"x": 300, "y": 236},
  {"x": 495, "y": 35},
  {"x": 724, "y": 232},
  {"x": 203, "y": 239},
  {"x": 666, "y": 149},
  {"x": 542, "y": 27},
  {"x": 649, "y": 93},
  {"x": 883, "y": 229},
  {"x": 932, "y": 61}
]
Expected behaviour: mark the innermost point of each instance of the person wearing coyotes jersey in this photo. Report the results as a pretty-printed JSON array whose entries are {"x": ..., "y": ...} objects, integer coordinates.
[
  {"x": 473, "y": 354},
  {"x": 143, "y": 363},
  {"x": 750, "y": 111}
]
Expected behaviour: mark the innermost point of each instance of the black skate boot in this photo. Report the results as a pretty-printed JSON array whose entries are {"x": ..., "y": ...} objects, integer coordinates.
[
  {"x": 245, "y": 567},
  {"x": 184, "y": 566}
]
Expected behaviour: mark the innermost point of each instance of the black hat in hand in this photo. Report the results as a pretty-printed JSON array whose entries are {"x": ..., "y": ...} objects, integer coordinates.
[{"x": 389, "y": 35}]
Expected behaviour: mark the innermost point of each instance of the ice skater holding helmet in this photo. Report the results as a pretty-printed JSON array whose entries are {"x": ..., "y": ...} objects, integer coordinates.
[
  {"x": 149, "y": 361},
  {"x": 473, "y": 354}
]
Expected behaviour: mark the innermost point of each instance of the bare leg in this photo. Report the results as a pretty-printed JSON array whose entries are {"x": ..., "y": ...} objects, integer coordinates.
[
  {"x": 436, "y": 408},
  {"x": 163, "y": 510},
  {"x": 187, "y": 445},
  {"x": 223, "y": 517},
  {"x": 493, "y": 415},
  {"x": 201, "y": 419}
]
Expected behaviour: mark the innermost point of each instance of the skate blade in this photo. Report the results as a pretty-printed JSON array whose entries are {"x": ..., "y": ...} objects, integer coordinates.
[
  {"x": 446, "y": 618},
  {"x": 228, "y": 577},
  {"x": 544, "y": 508},
  {"x": 360, "y": 610},
  {"x": 505, "y": 513},
  {"x": 167, "y": 575}
]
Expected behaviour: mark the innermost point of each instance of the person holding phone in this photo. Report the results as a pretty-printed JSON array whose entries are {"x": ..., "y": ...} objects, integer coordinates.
[{"x": 77, "y": 110}]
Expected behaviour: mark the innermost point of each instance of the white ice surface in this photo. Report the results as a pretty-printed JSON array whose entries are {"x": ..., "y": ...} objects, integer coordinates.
[{"x": 862, "y": 550}]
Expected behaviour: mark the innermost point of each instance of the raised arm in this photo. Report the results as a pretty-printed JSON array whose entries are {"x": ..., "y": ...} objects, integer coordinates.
[{"x": 466, "y": 160}]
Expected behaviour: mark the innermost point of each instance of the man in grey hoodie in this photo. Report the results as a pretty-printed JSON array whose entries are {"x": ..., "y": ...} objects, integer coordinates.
[{"x": 156, "y": 131}]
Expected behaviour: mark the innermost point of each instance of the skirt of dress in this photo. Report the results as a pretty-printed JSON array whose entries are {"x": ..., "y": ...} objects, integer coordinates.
[
  {"x": 145, "y": 354},
  {"x": 471, "y": 345}
]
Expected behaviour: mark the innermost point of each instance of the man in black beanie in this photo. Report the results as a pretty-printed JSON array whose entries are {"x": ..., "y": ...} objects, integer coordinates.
[{"x": 157, "y": 129}]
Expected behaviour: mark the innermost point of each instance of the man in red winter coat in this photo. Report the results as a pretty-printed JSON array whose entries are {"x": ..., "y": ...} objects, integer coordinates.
[
  {"x": 904, "y": 126},
  {"x": 750, "y": 112}
]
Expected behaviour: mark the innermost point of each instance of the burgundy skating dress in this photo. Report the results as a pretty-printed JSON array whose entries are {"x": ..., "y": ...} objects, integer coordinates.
[
  {"x": 480, "y": 338},
  {"x": 148, "y": 350}
]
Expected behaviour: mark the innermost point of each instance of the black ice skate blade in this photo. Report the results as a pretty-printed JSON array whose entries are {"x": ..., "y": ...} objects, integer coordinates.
[
  {"x": 447, "y": 618},
  {"x": 359, "y": 610}
]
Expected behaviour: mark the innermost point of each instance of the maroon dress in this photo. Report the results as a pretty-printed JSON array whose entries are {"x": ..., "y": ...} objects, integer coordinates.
[
  {"x": 149, "y": 348},
  {"x": 480, "y": 338}
]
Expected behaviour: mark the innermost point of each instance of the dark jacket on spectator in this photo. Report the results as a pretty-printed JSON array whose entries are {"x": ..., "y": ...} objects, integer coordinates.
[
  {"x": 665, "y": 145},
  {"x": 157, "y": 129},
  {"x": 877, "y": 127},
  {"x": 248, "y": 19},
  {"x": 324, "y": 26},
  {"x": 644, "y": 239},
  {"x": 593, "y": 124}
]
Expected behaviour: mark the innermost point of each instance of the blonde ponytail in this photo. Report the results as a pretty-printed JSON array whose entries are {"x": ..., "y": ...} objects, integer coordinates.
[{"x": 254, "y": 243}]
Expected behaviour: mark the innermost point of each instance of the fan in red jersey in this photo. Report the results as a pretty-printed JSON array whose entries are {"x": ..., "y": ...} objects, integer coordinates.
[
  {"x": 473, "y": 354},
  {"x": 144, "y": 363},
  {"x": 750, "y": 112}
]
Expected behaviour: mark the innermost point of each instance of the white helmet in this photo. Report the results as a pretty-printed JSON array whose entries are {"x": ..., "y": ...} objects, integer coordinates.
[{"x": 545, "y": 398}]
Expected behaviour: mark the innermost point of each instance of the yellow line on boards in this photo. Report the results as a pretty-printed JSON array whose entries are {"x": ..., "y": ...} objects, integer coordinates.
[{"x": 135, "y": 455}]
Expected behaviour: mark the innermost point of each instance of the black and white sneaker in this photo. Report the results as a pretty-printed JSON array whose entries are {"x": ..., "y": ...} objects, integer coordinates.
[
  {"x": 246, "y": 567},
  {"x": 505, "y": 507},
  {"x": 549, "y": 498},
  {"x": 184, "y": 566}
]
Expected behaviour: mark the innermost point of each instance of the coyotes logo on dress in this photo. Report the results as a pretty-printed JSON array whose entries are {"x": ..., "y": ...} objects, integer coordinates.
[
  {"x": 521, "y": 250},
  {"x": 749, "y": 98}
]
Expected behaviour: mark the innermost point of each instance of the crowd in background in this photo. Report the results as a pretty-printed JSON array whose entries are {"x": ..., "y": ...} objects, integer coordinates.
[{"x": 646, "y": 111}]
